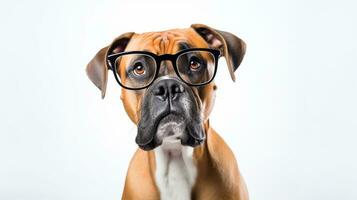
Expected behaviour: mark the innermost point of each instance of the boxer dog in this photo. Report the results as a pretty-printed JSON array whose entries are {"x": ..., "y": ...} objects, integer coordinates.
[{"x": 168, "y": 92}]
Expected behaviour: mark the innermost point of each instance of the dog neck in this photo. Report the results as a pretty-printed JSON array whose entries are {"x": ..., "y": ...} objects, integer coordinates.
[{"x": 175, "y": 170}]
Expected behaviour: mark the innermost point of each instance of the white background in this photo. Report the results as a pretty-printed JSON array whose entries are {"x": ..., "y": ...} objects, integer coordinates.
[{"x": 290, "y": 118}]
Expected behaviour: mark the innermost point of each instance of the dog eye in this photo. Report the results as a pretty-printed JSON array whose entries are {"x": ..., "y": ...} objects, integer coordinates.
[
  {"x": 195, "y": 63},
  {"x": 139, "y": 69}
]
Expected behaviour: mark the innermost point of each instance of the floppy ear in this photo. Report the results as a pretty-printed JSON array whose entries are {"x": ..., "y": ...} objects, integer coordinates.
[
  {"x": 232, "y": 47},
  {"x": 97, "y": 68}
]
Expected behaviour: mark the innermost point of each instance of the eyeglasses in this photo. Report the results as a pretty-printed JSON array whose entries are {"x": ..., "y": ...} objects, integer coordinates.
[{"x": 137, "y": 70}]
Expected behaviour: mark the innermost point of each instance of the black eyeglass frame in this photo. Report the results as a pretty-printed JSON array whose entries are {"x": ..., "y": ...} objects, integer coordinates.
[{"x": 158, "y": 59}]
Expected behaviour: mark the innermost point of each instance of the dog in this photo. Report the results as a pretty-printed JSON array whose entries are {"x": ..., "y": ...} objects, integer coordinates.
[{"x": 168, "y": 91}]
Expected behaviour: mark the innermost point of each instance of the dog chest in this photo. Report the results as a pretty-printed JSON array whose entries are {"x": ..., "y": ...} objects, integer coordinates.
[{"x": 175, "y": 171}]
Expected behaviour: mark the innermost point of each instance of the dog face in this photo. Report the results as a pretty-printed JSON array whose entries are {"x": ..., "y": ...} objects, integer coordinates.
[{"x": 168, "y": 109}]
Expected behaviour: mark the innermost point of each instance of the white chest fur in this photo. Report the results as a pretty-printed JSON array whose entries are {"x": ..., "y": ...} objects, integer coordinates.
[{"x": 175, "y": 171}]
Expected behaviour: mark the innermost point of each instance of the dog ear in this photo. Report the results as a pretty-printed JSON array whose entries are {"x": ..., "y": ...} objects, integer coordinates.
[
  {"x": 97, "y": 68},
  {"x": 232, "y": 47}
]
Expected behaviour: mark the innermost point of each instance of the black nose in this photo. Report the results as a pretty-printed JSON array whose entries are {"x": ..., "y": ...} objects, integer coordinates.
[{"x": 168, "y": 88}]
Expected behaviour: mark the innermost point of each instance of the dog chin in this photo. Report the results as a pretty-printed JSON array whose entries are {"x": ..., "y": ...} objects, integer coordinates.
[
  {"x": 173, "y": 130},
  {"x": 170, "y": 129}
]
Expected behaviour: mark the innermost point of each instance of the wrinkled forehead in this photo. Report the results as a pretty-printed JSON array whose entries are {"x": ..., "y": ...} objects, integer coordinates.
[{"x": 166, "y": 42}]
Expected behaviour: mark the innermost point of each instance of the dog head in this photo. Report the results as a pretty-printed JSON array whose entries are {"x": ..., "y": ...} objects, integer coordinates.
[{"x": 172, "y": 107}]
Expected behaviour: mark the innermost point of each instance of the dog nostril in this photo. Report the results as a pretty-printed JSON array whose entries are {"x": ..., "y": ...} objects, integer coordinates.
[
  {"x": 168, "y": 89},
  {"x": 159, "y": 91}
]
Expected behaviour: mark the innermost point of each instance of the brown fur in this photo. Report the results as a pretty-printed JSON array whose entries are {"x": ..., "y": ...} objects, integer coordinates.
[{"x": 218, "y": 174}]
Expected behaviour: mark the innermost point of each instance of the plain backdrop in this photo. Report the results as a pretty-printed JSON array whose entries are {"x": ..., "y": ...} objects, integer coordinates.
[{"x": 290, "y": 117}]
